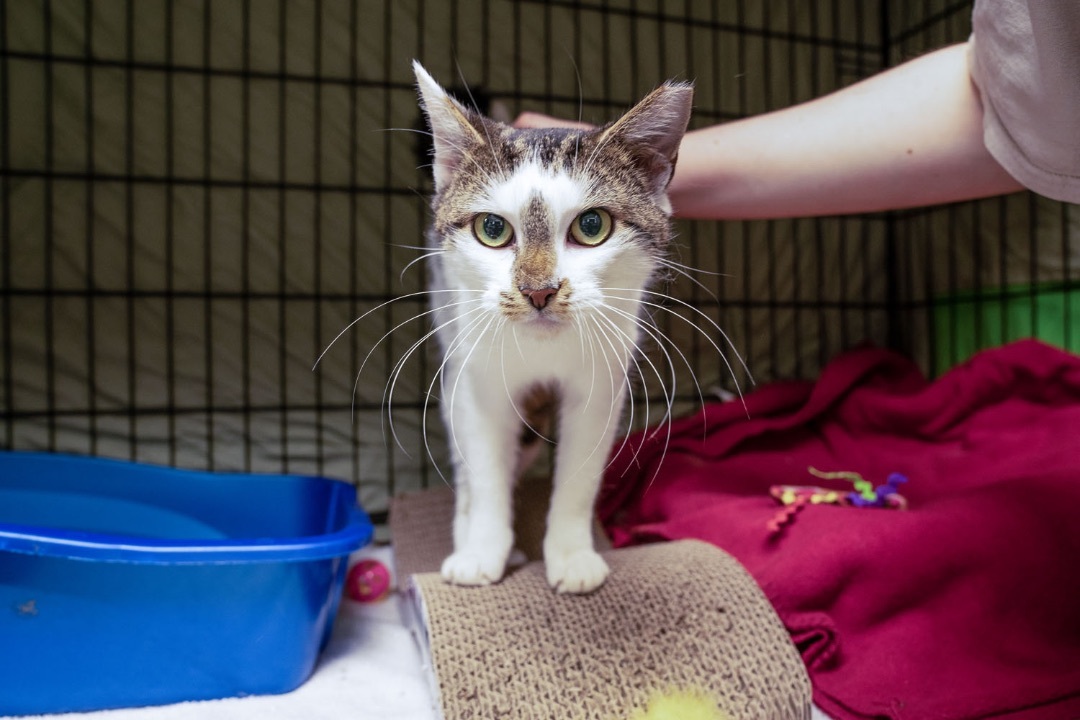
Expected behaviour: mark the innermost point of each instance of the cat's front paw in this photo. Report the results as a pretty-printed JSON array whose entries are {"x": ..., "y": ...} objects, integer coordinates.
[
  {"x": 580, "y": 571},
  {"x": 472, "y": 568}
]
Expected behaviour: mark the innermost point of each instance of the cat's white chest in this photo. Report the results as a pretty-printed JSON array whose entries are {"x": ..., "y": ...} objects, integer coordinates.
[{"x": 521, "y": 357}]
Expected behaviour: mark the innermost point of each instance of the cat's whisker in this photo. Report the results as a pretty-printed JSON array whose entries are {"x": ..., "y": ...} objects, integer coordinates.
[
  {"x": 371, "y": 351},
  {"x": 388, "y": 393},
  {"x": 417, "y": 131},
  {"x": 691, "y": 269},
  {"x": 583, "y": 334},
  {"x": 648, "y": 361},
  {"x": 353, "y": 324},
  {"x": 400, "y": 325},
  {"x": 668, "y": 394},
  {"x": 412, "y": 262},
  {"x": 723, "y": 357},
  {"x": 708, "y": 319},
  {"x": 423, "y": 429},
  {"x": 517, "y": 343},
  {"x": 454, "y": 389},
  {"x": 592, "y": 374},
  {"x": 611, "y": 369},
  {"x": 440, "y": 377},
  {"x": 602, "y": 437},
  {"x": 660, "y": 339},
  {"x": 425, "y": 313},
  {"x": 427, "y": 336},
  {"x": 395, "y": 373},
  {"x": 659, "y": 336},
  {"x": 491, "y": 346},
  {"x": 630, "y": 421},
  {"x": 683, "y": 270},
  {"x": 632, "y": 358}
]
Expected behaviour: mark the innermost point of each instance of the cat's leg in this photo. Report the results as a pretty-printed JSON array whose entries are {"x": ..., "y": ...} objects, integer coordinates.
[
  {"x": 482, "y": 429},
  {"x": 461, "y": 504},
  {"x": 586, "y": 431}
]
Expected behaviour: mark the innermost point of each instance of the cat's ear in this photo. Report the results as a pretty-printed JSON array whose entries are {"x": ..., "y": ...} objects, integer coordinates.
[
  {"x": 451, "y": 130},
  {"x": 656, "y": 126}
]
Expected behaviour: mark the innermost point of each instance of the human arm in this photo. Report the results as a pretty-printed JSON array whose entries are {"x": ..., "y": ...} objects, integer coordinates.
[{"x": 907, "y": 137}]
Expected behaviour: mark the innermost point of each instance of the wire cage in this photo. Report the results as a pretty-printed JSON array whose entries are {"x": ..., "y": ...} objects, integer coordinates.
[{"x": 198, "y": 196}]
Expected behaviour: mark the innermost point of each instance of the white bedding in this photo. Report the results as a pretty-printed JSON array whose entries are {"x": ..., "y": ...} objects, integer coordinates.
[{"x": 371, "y": 670}]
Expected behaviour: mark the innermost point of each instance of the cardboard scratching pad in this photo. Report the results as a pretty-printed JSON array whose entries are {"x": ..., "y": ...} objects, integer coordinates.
[{"x": 675, "y": 623}]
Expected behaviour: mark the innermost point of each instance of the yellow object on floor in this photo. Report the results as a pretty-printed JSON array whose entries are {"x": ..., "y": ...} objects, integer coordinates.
[{"x": 681, "y": 705}]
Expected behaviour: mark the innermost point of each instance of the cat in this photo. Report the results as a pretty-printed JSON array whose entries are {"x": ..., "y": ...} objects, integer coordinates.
[{"x": 541, "y": 250}]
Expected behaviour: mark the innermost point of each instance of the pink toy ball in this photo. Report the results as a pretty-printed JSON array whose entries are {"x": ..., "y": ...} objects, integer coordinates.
[{"x": 368, "y": 581}]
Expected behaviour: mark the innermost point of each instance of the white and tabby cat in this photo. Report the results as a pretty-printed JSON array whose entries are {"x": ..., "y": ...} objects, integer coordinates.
[{"x": 542, "y": 247}]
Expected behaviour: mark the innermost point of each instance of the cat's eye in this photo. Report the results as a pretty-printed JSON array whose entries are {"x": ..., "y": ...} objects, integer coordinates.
[
  {"x": 492, "y": 230},
  {"x": 591, "y": 227}
]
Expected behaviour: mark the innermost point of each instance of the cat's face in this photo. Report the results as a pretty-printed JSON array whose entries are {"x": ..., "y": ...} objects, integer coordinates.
[{"x": 549, "y": 223}]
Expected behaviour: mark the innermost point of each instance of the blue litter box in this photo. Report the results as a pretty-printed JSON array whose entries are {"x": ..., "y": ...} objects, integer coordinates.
[{"x": 124, "y": 584}]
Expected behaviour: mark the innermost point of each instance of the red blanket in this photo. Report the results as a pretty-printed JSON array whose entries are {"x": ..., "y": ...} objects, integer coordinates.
[{"x": 964, "y": 605}]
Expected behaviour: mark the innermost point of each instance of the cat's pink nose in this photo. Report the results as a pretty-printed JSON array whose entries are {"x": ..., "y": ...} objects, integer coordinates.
[{"x": 540, "y": 296}]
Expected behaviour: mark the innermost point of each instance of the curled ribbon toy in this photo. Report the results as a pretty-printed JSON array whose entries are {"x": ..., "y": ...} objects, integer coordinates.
[{"x": 864, "y": 495}]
